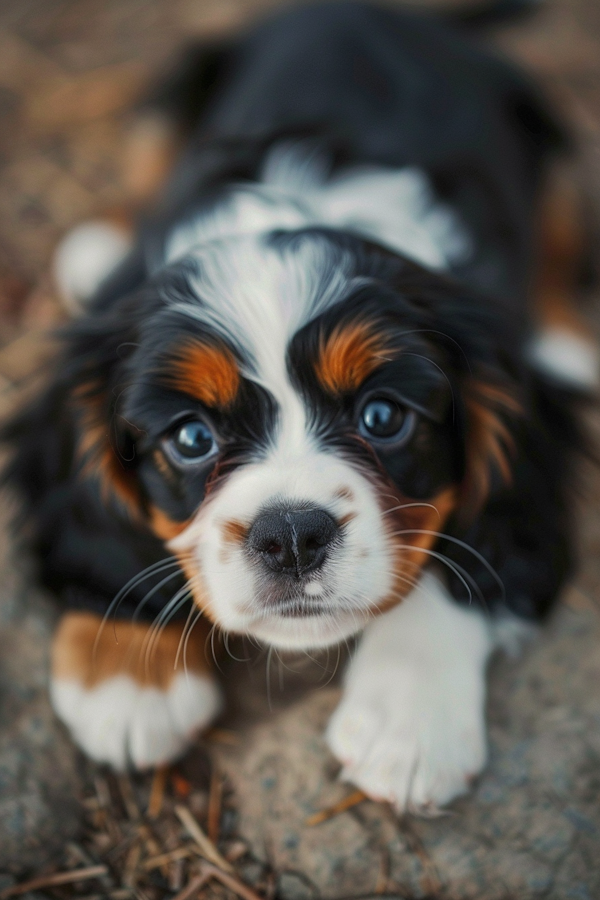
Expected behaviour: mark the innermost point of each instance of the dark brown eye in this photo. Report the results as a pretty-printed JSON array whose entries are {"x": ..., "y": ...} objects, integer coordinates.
[
  {"x": 192, "y": 442},
  {"x": 384, "y": 419}
]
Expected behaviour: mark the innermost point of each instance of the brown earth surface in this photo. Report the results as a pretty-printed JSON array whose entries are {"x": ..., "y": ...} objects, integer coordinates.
[{"x": 70, "y": 71}]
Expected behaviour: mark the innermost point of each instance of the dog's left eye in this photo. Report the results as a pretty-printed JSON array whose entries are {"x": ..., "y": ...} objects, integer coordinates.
[
  {"x": 191, "y": 442},
  {"x": 384, "y": 419}
]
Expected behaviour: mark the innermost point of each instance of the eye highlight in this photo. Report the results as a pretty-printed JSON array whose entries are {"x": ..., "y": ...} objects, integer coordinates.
[
  {"x": 383, "y": 419},
  {"x": 191, "y": 442}
]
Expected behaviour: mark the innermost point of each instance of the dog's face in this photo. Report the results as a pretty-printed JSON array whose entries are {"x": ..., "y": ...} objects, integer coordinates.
[{"x": 297, "y": 415}]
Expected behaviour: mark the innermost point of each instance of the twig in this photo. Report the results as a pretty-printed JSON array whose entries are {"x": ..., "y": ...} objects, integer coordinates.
[
  {"x": 193, "y": 886},
  {"x": 130, "y": 870},
  {"x": 85, "y": 859},
  {"x": 51, "y": 880},
  {"x": 348, "y": 802},
  {"x": 126, "y": 789},
  {"x": 165, "y": 858},
  {"x": 157, "y": 791},
  {"x": 205, "y": 845},
  {"x": 214, "y": 805},
  {"x": 230, "y": 881}
]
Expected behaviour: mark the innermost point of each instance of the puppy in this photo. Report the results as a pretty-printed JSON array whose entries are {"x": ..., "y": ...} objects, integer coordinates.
[{"x": 328, "y": 391}]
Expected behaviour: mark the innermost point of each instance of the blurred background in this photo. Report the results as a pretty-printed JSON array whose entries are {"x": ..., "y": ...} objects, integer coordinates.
[{"x": 71, "y": 72}]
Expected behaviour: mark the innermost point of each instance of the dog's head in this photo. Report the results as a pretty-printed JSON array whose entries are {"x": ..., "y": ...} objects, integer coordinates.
[{"x": 295, "y": 414}]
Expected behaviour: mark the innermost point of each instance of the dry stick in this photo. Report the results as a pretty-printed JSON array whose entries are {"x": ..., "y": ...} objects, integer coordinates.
[
  {"x": 193, "y": 886},
  {"x": 156, "y": 861},
  {"x": 107, "y": 881},
  {"x": 348, "y": 802},
  {"x": 128, "y": 796},
  {"x": 157, "y": 792},
  {"x": 230, "y": 881},
  {"x": 51, "y": 880},
  {"x": 205, "y": 845},
  {"x": 214, "y": 805}
]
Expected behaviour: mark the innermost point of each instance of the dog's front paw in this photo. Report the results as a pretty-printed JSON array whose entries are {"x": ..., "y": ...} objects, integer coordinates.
[
  {"x": 415, "y": 744},
  {"x": 122, "y": 723},
  {"x": 124, "y": 703},
  {"x": 410, "y": 726}
]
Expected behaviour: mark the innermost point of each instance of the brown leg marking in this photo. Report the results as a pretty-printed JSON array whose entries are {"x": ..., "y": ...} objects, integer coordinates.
[{"x": 85, "y": 651}]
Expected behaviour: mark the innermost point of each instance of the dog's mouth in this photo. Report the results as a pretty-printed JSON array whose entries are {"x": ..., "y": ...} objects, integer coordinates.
[
  {"x": 296, "y": 599},
  {"x": 301, "y": 609}
]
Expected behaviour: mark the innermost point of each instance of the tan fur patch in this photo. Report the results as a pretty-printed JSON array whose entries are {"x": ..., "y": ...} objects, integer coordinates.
[
  {"x": 164, "y": 527},
  {"x": 414, "y": 528},
  {"x": 206, "y": 372},
  {"x": 97, "y": 455},
  {"x": 489, "y": 441},
  {"x": 344, "y": 493},
  {"x": 234, "y": 532},
  {"x": 85, "y": 652},
  {"x": 349, "y": 355},
  {"x": 345, "y": 520}
]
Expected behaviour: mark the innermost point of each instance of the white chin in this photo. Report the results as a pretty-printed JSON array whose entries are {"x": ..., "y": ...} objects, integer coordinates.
[{"x": 307, "y": 632}]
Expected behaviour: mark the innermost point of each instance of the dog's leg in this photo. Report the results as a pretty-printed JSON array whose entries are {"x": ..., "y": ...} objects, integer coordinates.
[
  {"x": 562, "y": 346},
  {"x": 130, "y": 696},
  {"x": 410, "y": 727}
]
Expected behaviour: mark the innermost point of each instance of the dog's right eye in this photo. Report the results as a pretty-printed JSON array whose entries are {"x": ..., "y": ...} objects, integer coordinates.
[{"x": 191, "y": 442}]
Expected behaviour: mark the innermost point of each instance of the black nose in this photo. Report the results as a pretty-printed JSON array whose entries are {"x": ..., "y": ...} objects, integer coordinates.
[{"x": 293, "y": 541}]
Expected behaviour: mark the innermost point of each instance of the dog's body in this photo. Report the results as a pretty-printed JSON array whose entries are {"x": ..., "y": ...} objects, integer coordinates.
[{"x": 301, "y": 389}]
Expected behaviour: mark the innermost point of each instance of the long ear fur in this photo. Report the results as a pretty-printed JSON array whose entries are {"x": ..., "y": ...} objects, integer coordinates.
[
  {"x": 72, "y": 465},
  {"x": 523, "y": 530}
]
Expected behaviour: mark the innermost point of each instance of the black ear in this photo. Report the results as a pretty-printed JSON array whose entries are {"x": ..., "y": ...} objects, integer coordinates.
[
  {"x": 72, "y": 466},
  {"x": 184, "y": 90},
  {"x": 516, "y": 553}
]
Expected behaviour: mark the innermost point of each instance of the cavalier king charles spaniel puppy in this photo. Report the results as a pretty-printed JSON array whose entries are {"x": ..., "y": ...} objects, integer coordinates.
[{"x": 328, "y": 391}]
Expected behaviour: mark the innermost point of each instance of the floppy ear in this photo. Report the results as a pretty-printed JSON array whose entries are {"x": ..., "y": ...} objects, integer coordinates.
[
  {"x": 491, "y": 412},
  {"x": 73, "y": 468},
  {"x": 105, "y": 448},
  {"x": 515, "y": 549}
]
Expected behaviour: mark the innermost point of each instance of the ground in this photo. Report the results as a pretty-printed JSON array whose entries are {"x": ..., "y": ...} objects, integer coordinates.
[{"x": 70, "y": 71}]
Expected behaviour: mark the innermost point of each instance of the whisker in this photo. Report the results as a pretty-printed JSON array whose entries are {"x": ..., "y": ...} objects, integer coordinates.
[
  {"x": 185, "y": 646},
  {"x": 462, "y": 544},
  {"x": 160, "y": 623},
  {"x": 410, "y": 506},
  {"x": 182, "y": 636},
  {"x": 229, "y": 653},
  {"x": 213, "y": 631},
  {"x": 154, "y": 569},
  {"x": 460, "y": 573}
]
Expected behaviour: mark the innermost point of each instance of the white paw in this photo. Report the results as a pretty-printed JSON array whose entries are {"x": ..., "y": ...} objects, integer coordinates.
[
  {"x": 417, "y": 747},
  {"x": 122, "y": 723},
  {"x": 410, "y": 727}
]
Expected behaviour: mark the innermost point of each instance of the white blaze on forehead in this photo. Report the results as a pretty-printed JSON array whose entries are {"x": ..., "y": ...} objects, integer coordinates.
[{"x": 257, "y": 297}]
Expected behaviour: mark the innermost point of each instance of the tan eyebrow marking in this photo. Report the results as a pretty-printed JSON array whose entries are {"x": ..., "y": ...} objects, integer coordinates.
[
  {"x": 207, "y": 372},
  {"x": 349, "y": 355}
]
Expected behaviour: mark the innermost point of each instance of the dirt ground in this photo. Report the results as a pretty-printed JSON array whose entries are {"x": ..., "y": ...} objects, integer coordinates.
[{"x": 70, "y": 72}]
